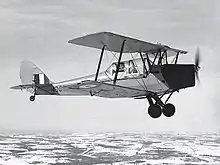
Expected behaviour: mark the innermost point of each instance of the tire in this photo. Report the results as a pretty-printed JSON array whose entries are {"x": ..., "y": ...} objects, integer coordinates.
[
  {"x": 154, "y": 111},
  {"x": 32, "y": 98},
  {"x": 169, "y": 110}
]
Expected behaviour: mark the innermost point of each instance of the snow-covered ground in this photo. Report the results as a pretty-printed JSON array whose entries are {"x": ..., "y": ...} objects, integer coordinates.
[{"x": 109, "y": 148}]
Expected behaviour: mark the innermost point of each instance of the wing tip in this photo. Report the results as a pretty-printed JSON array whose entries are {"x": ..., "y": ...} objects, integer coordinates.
[{"x": 72, "y": 41}]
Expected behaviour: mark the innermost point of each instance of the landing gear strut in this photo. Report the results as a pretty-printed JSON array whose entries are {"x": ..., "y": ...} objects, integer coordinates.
[
  {"x": 32, "y": 98},
  {"x": 156, "y": 109}
]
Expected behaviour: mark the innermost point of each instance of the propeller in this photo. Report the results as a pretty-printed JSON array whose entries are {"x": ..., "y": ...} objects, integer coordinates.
[{"x": 197, "y": 61}]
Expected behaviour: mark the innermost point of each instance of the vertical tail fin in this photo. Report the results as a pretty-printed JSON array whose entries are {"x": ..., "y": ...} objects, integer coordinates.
[
  {"x": 30, "y": 73},
  {"x": 34, "y": 81}
]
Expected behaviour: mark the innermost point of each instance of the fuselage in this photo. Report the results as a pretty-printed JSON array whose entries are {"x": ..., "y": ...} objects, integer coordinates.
[
  {"x": 131, "y": 74},
  {"x": 134, "y": 79}
]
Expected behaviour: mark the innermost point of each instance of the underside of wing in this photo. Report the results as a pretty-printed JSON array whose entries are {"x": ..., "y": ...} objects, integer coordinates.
[
  {"x": 94, "y": 88},
  {"x": 114, "y": 41},
  {"x": 112, "y": 91}
]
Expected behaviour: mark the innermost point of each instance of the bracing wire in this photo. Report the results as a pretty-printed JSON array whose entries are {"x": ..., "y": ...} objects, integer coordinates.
[
  {"x": 114, "y": 56},
  {"x": 144, "y": 87}
]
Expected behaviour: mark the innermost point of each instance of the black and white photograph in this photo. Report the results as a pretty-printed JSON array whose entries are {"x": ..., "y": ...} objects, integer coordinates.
[{"x": 100, "y": 82}]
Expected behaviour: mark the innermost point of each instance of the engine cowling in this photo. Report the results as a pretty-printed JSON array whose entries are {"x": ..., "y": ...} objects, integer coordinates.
[{"x": 179, "y": 76}]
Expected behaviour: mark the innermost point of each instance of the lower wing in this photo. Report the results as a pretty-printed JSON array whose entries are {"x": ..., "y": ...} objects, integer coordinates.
[{"x": 101, "y": 89}]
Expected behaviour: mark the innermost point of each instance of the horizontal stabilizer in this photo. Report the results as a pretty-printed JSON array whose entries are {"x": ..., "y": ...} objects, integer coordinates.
[
  {"x": 40, "y": 89},
  {"x": 21, "y": 87}
]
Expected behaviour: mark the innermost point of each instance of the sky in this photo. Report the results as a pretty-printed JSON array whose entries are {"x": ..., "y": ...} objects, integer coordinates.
[{"x": 39, "y": 30}]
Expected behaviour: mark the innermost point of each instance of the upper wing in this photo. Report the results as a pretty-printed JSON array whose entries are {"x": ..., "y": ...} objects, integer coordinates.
[{"x": 114, "y": 41}]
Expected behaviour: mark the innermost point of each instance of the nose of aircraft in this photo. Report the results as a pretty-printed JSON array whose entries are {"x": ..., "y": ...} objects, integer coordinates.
[{"x": 197, "y": 62}]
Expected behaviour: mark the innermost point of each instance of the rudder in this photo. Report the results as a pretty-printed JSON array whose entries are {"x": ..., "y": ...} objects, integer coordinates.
[{"x": 30, "y": 73}]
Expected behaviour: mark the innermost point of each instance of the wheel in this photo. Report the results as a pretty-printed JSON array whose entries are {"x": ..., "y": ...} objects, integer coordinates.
[
  {"x": 168, "y": 110},
  {"x": 32, "y": 98},
  {"x": 154, "y": 111}
]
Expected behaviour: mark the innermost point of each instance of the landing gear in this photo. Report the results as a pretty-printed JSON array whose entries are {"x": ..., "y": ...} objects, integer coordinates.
[
  {"x": 168, "y": 110},
  {"x": 154, "y": 111},
  {"x": 32, "y": 98}
]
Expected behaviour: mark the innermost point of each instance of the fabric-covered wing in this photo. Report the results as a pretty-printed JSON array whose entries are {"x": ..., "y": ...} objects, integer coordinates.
[
  {"x": 111, "y": 91},
  {"x": 114, "y": 41}
]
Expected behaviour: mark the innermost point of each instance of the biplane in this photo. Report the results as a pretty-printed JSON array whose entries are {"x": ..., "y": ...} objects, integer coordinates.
[{"x": 151, "y": 73}]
